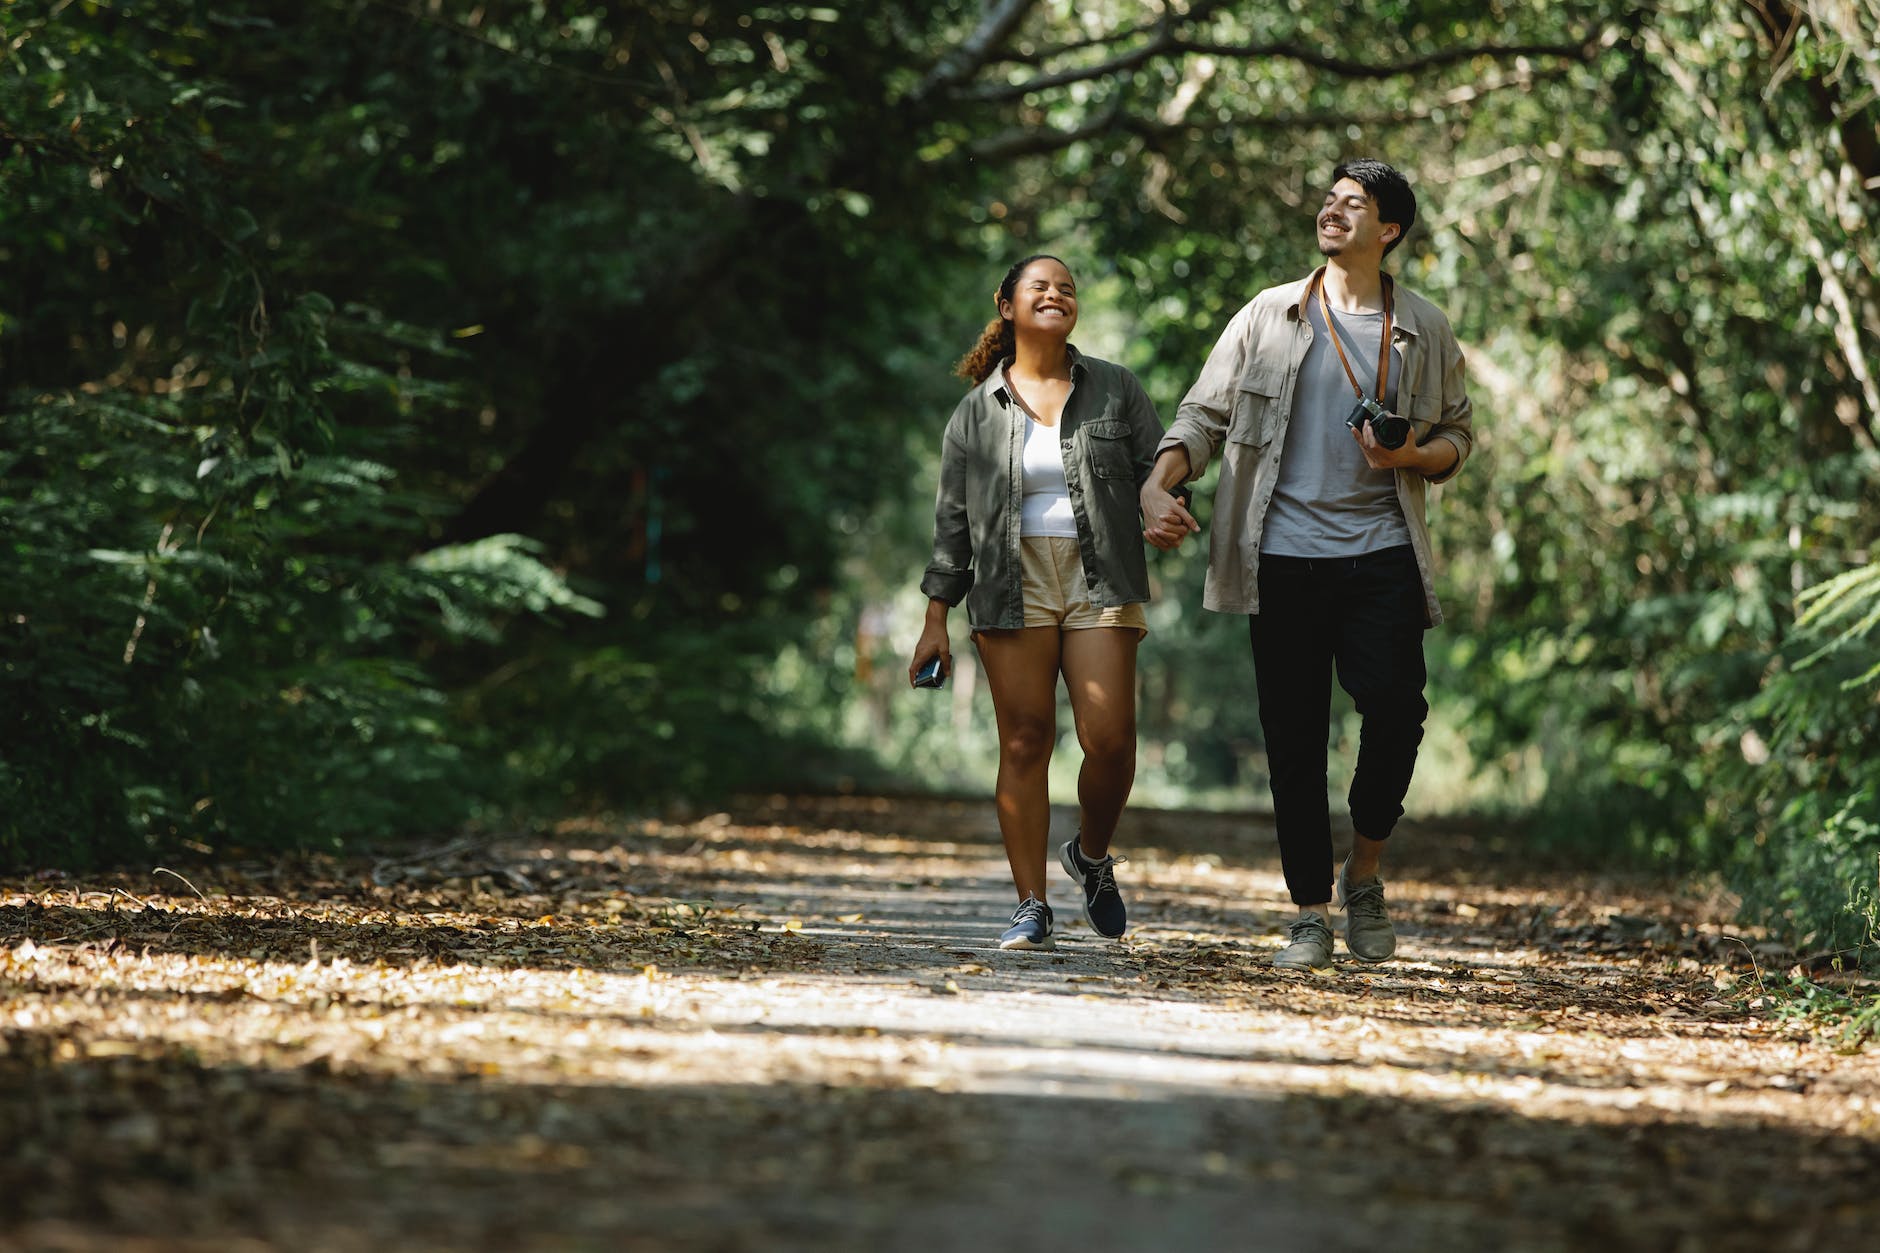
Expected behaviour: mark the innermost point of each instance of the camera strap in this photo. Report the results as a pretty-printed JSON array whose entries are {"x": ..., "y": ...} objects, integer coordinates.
[{"x": 1317, "y": 288}]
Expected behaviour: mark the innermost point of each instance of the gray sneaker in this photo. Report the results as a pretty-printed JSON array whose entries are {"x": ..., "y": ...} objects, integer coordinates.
[
  {"x": 1369, "y": 936},
  {"x": 1311, "y": 947}
]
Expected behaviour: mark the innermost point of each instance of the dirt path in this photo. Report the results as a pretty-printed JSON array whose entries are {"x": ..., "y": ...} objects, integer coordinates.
[{"x": 789, "y": 1028}]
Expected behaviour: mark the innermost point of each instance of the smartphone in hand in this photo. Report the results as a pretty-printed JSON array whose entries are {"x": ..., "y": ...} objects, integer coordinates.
[{"x": 933, "y": 674}]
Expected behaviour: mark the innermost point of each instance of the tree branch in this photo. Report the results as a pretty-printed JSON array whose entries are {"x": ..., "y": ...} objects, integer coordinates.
[
  {"x": 1032, "y": 141},
  {"x": 1001, "y": 19},
  {"x": 1860, "y": 145},
  {"x": 1168, "y": 43},
  {"x": 432, "y": 18},
  {"x": 1197, "y": 12},
  {"x": 1163, "y": 42},
  {"x": 1043, "y": 56},
  {"x": 1579, "y": 51},
  {"x": 1036, "y": 141}
]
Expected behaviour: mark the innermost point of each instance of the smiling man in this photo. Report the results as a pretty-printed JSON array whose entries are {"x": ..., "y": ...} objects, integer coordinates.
[{"x": 1340, "y": 399}]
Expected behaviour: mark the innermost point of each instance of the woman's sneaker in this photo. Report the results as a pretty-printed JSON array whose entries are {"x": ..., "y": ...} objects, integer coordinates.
[
  {"x": 1103, "y": 904},
  {"x": 1031, "y": 926}
]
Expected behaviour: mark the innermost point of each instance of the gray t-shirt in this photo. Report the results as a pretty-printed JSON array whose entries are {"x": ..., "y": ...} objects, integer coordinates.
[{"x": 1328, "y": 502}]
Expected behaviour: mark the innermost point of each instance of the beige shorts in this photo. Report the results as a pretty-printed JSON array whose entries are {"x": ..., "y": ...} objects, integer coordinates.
[{"x": 1056, "y": 593}]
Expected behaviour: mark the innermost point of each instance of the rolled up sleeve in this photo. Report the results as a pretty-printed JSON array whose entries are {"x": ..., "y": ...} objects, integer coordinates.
[
  {"x": 949, "y": 575},
  {"x": 1455, "y": 423}
]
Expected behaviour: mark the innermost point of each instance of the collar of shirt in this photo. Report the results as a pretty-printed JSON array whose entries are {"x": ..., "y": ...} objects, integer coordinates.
[
  {"x": 1403, "y": 312},
  {"x": 994, "y": 386}
]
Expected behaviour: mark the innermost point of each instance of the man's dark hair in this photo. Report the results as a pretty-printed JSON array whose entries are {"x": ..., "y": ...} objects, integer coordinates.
[{"x": 1388, "y": 189}]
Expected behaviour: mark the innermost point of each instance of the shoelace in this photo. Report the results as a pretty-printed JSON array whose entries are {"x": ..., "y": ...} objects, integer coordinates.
[
  {"x": 1308, "y": 929},
  {"x": 1104, "y": 872},
  {"x": 1032, "y": 909},
  {"x": 1365, "y": 900}
]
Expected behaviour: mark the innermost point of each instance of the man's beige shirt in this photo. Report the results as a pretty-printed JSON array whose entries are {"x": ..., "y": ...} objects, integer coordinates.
[{"x": 1244, "y": 399}]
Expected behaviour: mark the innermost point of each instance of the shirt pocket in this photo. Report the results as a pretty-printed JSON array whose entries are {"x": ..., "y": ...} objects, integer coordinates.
[
  {"x": 1107, "y": 445},
  {"x": 1256, "y": 413}
]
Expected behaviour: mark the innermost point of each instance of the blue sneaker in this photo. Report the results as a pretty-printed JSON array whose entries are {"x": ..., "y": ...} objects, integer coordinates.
[
  {"x": 1031, "y": 926},
  {"x": 1103, "y": 904}
]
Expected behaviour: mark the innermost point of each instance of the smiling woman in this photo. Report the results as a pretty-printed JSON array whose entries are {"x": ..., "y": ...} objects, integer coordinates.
[
  {"x": 1036, "y": 528},
  {"x": 998, "y": 342}
]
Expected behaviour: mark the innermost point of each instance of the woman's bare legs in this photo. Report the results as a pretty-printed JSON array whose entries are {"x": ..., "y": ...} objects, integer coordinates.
[
  {"x": 1022, "y": 671},
  {"x": 1099, "y": 666}
]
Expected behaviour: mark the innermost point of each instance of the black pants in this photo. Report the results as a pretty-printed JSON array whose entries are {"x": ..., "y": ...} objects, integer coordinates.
[{"x": 1364, "y": 615}]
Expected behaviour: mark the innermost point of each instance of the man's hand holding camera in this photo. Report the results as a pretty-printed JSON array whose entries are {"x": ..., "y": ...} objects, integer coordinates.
[{"x": 1429, "y": 459}]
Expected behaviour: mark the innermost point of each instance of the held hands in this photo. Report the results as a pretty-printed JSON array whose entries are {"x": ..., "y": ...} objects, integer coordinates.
[{"x": 1166, "y": 523}]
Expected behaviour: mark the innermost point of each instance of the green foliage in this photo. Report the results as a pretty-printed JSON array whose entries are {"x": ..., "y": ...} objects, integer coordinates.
[
  {"x": 217, "y": 618},
  {"x": 1845, "y": 609},
  {"x": 187, "y": 659},
  {"x": 1850, "y": 1019},
  {"x": 1655, "y": 243},
  {"x": 217, "y": 632},
  {"x": 1701, "y": 421},
  {"x": 480, "y": 584},
  {"x": 1798, "y": 787},
  {"x": 355, "y": 356}
]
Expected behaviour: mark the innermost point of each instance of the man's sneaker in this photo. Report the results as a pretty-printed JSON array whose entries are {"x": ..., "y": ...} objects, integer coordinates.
[
  {"x": 1031, "y": 926},
  {"x": 1311, "y": 947},
  {"x": 1103, "y": 904},
  {"x": 1368, "y": 934}
]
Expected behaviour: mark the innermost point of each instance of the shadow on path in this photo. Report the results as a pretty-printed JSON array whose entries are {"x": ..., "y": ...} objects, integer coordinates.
[{"x": 789, "y": 1028}]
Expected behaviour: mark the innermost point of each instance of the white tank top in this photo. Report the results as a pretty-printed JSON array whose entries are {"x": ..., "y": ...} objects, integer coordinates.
[{"x": 1047, "y": 501}]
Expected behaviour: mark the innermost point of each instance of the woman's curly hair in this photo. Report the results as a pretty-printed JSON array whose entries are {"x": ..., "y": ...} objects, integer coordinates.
[{"x": 997, "y": 343}]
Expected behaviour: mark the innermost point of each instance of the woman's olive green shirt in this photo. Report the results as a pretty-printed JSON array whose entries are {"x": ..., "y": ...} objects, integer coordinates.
[{"x": 1108, "y": 433}]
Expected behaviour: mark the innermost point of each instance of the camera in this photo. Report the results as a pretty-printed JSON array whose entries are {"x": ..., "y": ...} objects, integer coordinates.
[
  {"x": 933, "y": 674},
  {"x": 1390, "y": 429}
]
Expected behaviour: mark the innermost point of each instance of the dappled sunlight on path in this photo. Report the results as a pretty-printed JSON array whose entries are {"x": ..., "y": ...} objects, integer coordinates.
[{"x": 790, "y": 1027}]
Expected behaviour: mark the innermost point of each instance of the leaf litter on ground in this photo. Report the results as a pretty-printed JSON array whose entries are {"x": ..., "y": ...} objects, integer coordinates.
[{"x": 699, "y": 1012}]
